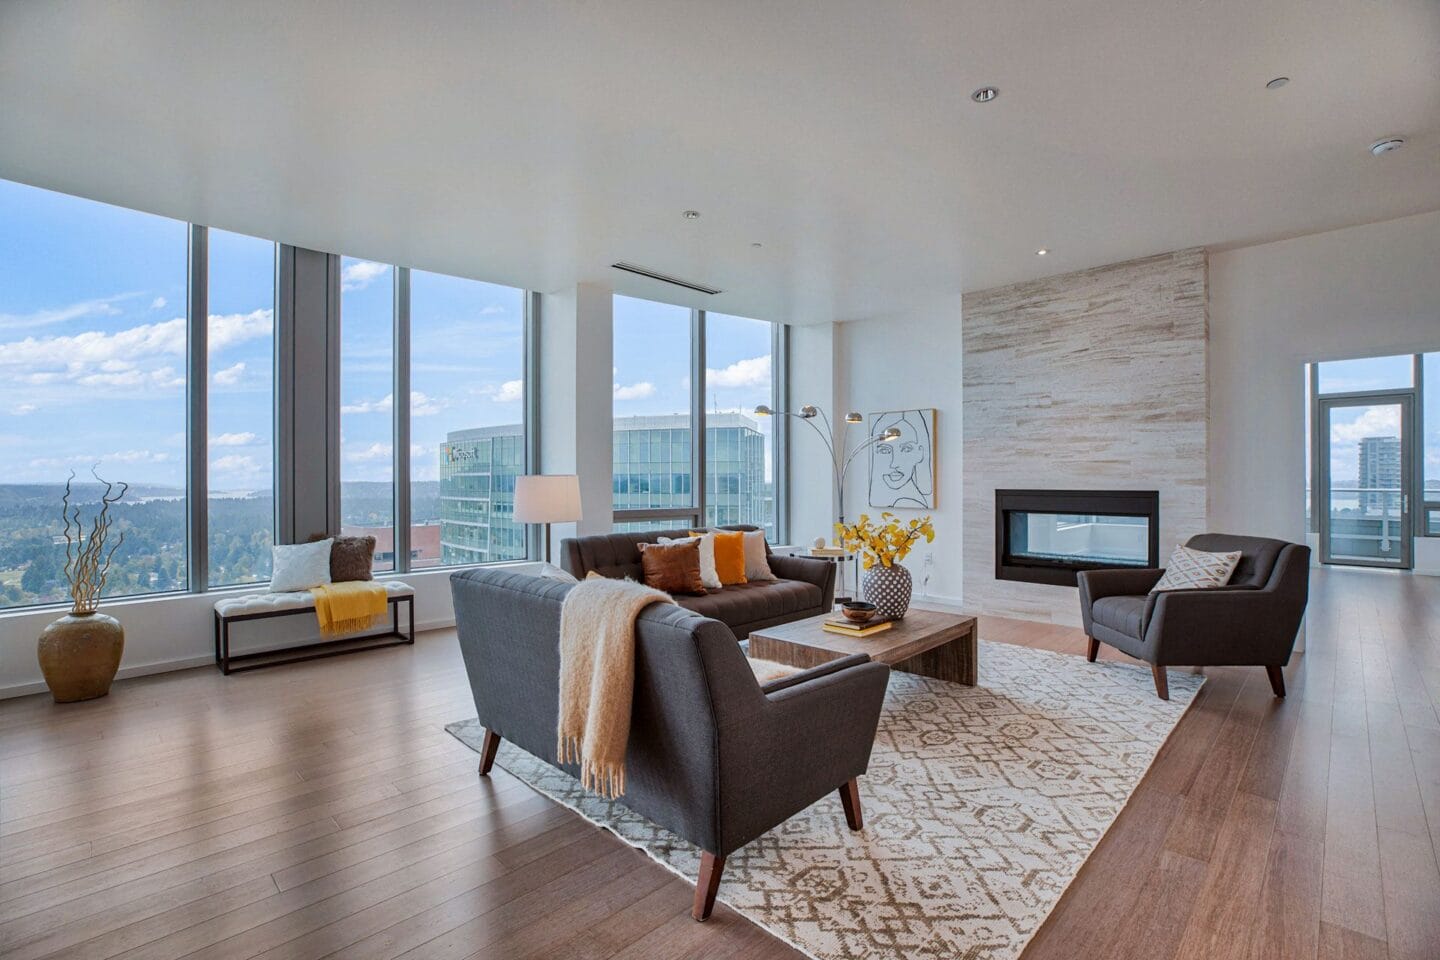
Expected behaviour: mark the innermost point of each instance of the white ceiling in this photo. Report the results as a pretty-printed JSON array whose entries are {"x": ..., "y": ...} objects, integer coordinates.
[{"x": 534, "y": 143}]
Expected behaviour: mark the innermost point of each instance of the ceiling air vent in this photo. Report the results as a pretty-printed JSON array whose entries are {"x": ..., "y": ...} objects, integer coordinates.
[{"x": 663, "y": 278}]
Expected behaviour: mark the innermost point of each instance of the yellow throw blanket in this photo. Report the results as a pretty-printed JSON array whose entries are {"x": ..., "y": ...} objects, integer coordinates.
[
  {"x": 349, "y": 607},
  {"x": 597, "y": 678}
]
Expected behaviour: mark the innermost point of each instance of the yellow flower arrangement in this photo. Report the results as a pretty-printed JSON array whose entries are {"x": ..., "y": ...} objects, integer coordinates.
[{"x": 887, "y": 542}]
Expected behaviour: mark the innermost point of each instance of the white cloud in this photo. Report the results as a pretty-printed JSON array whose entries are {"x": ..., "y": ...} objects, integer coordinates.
[
  {"x": 230, "y": 375},
  {"x": 492, "y": 310},
  {"x": 1376, "y": 421},
  {"x": 754, "y": 372},
  {"x": 359, "y": 275},
  {"x": 136, "y": 357},
  {"x": 118, "y": 456},
  {"x": 234, "y": 463},
  {"x": 22, "y": 409},
  {"x": 376, "y": 451},
  {"x": 158, "y": 303},
  {"x": 511, "y": 391},
  {"x": 635, "y": 391},
  {"x": 420, "y": 405},
  {"x": 100, "y": 307},
  {"x": 233, "y": 439}
]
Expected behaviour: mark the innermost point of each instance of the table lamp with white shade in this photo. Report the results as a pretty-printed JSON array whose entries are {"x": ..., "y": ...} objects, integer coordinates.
[{"x": 547, "y": 499}]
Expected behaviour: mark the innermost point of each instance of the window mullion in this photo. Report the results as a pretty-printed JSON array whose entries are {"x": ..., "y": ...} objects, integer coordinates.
[
  {"x": 401, "y": 411},
  {"x": 780, "y": 400},
  {"x": 197, "y": 430},
  {"x": 697, "y": 412}
]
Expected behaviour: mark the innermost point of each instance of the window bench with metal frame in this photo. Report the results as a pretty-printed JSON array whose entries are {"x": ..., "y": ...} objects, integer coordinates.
[{"x": 265, "y": 606}]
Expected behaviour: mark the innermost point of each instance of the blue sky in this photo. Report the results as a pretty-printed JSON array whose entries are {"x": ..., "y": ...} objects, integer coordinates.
[{"x": 92, "y": 351}]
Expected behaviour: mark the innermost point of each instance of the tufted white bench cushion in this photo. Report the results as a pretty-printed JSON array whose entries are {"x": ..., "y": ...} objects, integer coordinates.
[{"x": 246, "y": 604}]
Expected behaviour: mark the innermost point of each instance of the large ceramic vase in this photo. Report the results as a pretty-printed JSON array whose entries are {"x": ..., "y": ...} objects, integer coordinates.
[
  {"x": 889, "y": 589},
  {"x": 79, "y": 655}
]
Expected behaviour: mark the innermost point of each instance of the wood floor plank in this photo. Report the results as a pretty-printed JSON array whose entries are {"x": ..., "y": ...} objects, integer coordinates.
[{"x": 148, "y": 825}]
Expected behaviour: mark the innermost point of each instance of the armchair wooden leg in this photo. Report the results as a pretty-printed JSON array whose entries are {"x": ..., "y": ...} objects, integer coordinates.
[
  {"x": 850, "y": 800},
  {"x": 1094, "y": 650},
  {"x": 1162, "y": 682},
  {"x": 1277, "y": 680},
  {"x": 711, "y": 866},
  {"x": 487, "y": 751}
]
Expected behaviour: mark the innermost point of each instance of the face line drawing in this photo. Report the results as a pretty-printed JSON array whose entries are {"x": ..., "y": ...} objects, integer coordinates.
[{"x": 903, "y": 467}]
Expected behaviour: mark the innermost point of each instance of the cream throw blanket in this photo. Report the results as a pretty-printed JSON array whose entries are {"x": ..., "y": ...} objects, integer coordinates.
[{"x": 597, "y": 677}]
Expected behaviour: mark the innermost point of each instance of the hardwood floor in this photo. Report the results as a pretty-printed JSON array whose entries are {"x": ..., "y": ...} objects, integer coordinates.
[{"x": 319, "y": 810}]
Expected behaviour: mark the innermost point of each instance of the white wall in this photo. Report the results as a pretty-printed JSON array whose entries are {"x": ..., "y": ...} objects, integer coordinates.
[
  {"x": 1362, "y": 291},
  {"x": 909, "y": 362},
  {"x": 814, "y": 378}
]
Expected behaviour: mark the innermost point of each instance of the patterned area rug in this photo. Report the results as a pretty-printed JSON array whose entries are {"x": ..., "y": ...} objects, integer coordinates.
[{"x": 981, "y": 804}]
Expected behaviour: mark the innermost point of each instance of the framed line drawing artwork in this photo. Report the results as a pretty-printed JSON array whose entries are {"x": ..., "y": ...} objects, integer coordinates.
[{"x": 903, "y": 472}]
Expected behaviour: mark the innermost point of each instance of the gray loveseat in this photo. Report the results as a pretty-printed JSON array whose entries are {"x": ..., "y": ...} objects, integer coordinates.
[
  {"x": 713, "y": 756},
  {"x": 806, "y": 587},
  {"x": 1252, "y": 620}
]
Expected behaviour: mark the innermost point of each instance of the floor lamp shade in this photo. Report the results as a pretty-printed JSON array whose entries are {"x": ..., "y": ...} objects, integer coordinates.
[{"x": 547, "y": 499}]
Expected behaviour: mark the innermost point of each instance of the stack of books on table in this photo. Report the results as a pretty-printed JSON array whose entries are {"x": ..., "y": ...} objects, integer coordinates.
[{"x": 838, "y": 624}]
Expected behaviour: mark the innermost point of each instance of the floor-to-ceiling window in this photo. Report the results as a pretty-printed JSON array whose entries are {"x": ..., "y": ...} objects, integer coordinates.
[
  {"x": 367, "y": 423},
  {"x": 93, "y": 335},
  {"x": 661, "y": 476},
  {"x": 467, "y": 420},
  {"x": 240, "y": 334}
]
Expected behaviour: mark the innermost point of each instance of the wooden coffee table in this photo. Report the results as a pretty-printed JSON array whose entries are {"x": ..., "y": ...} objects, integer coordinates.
[{"x": 927, "y": 642}]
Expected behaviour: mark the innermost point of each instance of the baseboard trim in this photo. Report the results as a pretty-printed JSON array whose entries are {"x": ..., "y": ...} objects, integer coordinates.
[{"x": 179, "y": 663}]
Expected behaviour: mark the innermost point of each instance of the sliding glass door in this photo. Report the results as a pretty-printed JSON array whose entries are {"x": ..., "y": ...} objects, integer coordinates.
[{"x": 1366, "y": 466}]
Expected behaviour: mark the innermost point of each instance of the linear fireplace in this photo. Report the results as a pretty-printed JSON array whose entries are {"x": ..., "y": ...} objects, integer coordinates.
[{"x": 1048, "y": 536}]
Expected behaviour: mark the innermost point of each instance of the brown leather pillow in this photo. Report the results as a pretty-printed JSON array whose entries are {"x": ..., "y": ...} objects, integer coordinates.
[
  {"x": 352, "y": 558},
  {"x": 672, "y": 567}
]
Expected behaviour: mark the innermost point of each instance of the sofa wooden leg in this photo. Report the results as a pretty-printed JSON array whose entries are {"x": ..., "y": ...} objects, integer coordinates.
[
  {"x": 1094, "y": 650},
  {"x": 487, "y": 751},
  {"x": 711, "y": 866},
  {"x": 1277, "y": 680},
  {"x": 1162, "y": 682},
  {"x": 850, "y": 800}
]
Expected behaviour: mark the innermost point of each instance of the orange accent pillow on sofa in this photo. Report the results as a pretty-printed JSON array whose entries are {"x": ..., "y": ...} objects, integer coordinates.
[{"x": 729, "y": 556}]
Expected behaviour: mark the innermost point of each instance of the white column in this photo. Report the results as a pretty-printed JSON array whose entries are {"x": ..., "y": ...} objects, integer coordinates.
[{"x": 576, "y": 417}]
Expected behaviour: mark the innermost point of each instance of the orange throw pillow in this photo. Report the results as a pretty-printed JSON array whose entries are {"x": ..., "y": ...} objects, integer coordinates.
[
  {"x": 672, "y": 567},
  {"x": 730, "y": 556}
]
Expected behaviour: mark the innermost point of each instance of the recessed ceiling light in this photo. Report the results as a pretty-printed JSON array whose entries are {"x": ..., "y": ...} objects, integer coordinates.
[
  {"x": 691, "y": 214},
  {"x": 1277, "y": 83},
  {"x": 1042, "y": 251},
  {"x": 1386, "y": 145},
  {"x": 757, "y": 244},
  {"x": 985, "y": 94}
]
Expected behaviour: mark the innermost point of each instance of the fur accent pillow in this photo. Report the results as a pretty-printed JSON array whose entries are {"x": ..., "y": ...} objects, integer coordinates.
[
  {"x": 757, "y": 562},
  {"x": 299, "y": 566},
  {"x": 1197, "y": 570},
  {"x": 708, "y": 576},
  {"x": 672, "y": 567},
  {"x": 352, "y": 558}
]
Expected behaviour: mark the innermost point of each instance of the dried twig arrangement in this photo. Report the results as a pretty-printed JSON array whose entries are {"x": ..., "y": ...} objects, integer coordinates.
[{"x": 86, "y": 560}]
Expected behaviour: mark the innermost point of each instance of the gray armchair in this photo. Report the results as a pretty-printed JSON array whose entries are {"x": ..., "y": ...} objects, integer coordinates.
[
  {"x": 1253, "y": 620},
  {"x": 713, "y": 756}
]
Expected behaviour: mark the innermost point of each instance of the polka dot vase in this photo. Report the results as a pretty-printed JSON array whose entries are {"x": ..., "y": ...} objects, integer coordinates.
[{"x": 889, "y": 589}]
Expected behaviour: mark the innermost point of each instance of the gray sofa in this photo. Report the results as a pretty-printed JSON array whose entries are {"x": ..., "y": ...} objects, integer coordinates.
[
  {"x": 806, "y": 587},
  {"x": 1253, "y": 620},
  {"x": 713, "y": 756}
]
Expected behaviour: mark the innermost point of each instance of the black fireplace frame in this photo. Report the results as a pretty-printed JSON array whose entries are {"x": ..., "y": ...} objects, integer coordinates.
[{"x": 1105, "y": 503}]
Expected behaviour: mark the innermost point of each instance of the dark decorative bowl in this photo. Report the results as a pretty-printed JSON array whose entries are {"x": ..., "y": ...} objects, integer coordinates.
[{"x": 858, "y": 611}]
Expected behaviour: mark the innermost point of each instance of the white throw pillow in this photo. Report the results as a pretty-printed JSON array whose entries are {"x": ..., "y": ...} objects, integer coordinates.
[
  {"x": 548, "y": 571},
  {"x": 757, "y": 565},
  {"x": 709, "y": 576},
  {"x": 1197, "y": 570},
  {"x": 300, "y": 566}
]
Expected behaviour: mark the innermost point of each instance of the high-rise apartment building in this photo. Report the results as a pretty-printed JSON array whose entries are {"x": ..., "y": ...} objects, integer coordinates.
[
  {"x": 651, "y": 469},
  {"x": 1379, "y": 472}
]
